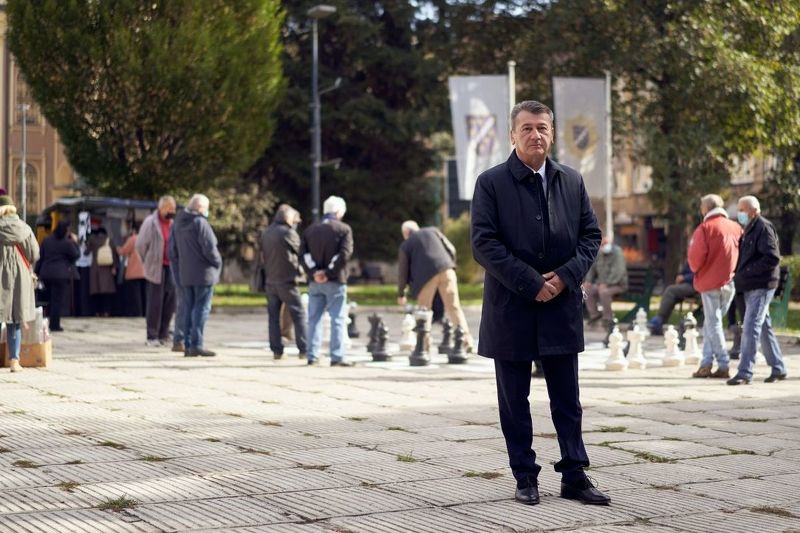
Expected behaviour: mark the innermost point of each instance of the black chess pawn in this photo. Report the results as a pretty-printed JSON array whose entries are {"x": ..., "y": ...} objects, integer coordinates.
[
  {"x": 446, "y": 345},
  {"x": 420, "y": 355},
  {"x": 374, "y": 319},
  {"x": 380, "y": 353},
  {"x": 457, "y": 356},
  {"x": 610, "y": 325},
  {"x": 352, "y": 329}
]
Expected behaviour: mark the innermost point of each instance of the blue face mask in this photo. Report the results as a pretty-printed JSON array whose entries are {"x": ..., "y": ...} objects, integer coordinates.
[
  {"x": 743, "y": 218},
  {"x": 205, "y": 214}
]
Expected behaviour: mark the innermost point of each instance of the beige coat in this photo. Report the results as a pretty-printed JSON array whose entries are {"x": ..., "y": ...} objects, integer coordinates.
[
  {"x": 150, "y": 247},
  {"x": 17, "y": 299}
]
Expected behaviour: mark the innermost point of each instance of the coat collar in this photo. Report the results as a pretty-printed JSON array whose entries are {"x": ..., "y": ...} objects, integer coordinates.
[{"x": 520, "y": 171}]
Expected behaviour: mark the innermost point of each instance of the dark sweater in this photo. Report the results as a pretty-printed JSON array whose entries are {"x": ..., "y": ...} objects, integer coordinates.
[
  {"x": 57, "y": 259},
  {"x": 327, "y": 246},
  {"x": 424, "y": 254},
  {"x": 759, "y": 258}
]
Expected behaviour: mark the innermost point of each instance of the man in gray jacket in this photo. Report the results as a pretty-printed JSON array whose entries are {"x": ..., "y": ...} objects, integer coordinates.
[
  {"x": 427, "y": 262},
  {"x": 280, "y": 248},
  {"x": 607, "y": 278},
  {"x": 193, "y": 251}
]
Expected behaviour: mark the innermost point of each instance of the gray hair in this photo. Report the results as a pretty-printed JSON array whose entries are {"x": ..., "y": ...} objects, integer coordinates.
[
  {"x": 711, "y": 201},
  {"x": 751, "y": 201},
  {"x": 283, "y": 213},
  {"x": 410, "y": 226},
  {"x": 533, "y": 107},
  {"x": 197, "y": 201},
  {"x": 334, "y": 205},
  {"x": 164, "y": 200}
]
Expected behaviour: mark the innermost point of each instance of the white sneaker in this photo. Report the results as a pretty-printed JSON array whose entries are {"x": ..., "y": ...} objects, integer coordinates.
[{"x": 15, "y": 366}]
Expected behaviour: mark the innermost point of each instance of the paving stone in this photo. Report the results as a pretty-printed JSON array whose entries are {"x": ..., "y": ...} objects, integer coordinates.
[
  {"x": 352, "y": 501},
  {"x": 102, "y": 472},
  {"x": 419, "y": 521},
  {"x": 208, "y": 514},
  {"x": 747, "y": 492},
  {"x": 746, "y": 465},
  {"x": 671, "y": 449},
  {"x": 649, "y": 503},
  {"x": 211, "y": 464},
  {"x": 479, "y": 463},
  {"x": 184, "y": 448},
  {"x": 602, "y": 456},
  {"x": 275, "y": 528},
  {"x": 16, "y": 478},
  {"x": 760, "y": 444},
  {"x": 453, "y": 491},
  {"x": 599, "y": 437},
  {"x": 394, "y": 472},
  {"x": 284, "y": 442},
  {"x": 84, "y": 520},
  {"x": 42, "y": 499},
  {"x": 743, "y": 428},
  {"x": 155, "y": 490},
  {"x": 86, "y": 454},
  {"x": 43, "y": 441},
  {"x": 431, "y": 450},
  {"x": 771, "y": 414},
  {"x": 468, "y": 432},
  {"x": 738, "y": 522},
  {"x": 283, "y": 480},
  {"x": 663, "y": 474},
  {"x": 626, "y": 528},
  {"x": 418, "y": 421},
  {"x": 332, "y": 456}
]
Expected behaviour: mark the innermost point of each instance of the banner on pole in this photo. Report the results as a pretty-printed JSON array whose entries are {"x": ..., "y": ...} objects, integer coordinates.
[
  {"x": 580, "y": 109},
  {"x": 479, "y": 106}
]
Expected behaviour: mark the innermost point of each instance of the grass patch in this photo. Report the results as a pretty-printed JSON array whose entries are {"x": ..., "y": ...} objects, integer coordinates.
[
  {"x": 75, "y": 462},
  {"x": 68, "y": 486},
  {"x": 777, "y": 511},
  {"x": 612, "y": 429},
  {"x": 624, "y": 402},
  {"x": 687, "y": 397},
  {"x": 118, "y": 504},
  {"x": 18, "y": 412},
  {"x": 153, "y": 459},
  {"x": 653, "y": 458},
  {"x": 740, "y": 452},
  {"x": 315, "y": 467},
  {"x": 397, "y": 428},
  {"x": 270, "y": 401},
  {"x": 547, "y": 435},
  {"x": 752, "y": 419},
  {"x": 4, "y": 450},
  {"x": 253, "y": 450},
  {"x": 112, "y": 444},
  {"x": 128, "y": 389},
  {"x": 73, "y": 433},
  {"x": 271, "y": 423},
  {"x": 356, "y": 418},
  {"x": 484, "y": 475},
  {"x": 24, "y": 463},
  {"x": 212, "y": 439},
  {"x": 237, "y": 415},
  {"x": 406, "y": 458}
]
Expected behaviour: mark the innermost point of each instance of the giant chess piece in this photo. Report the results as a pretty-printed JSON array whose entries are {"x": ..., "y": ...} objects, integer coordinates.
[
  {"x": 636, "y": 353},
  {"x": 692, "y": 351},
  {"x": 458, "y": 356},
  {"x": 446, "y": 346},
  {"x": 420, "y": 356},
  {"x": 672, "y": 355},
  {"x": 612, "y": 325},
  {"x": 374, "y": 319},
  {"x": 352, "y": 328},
  {"x": 616, "y": 361},
  {"x": 380, "y": 353},
  {"x": 641, "y": 321},
  {"x": 407, "y": 337}
]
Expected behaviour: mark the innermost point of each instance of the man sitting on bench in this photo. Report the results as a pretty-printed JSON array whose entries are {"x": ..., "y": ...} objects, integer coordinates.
[
  {"x": 607, "y": 278},
  {"x": 677, "y": 292}
]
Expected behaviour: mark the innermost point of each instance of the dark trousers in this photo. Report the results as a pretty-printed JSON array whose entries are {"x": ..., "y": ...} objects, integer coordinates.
[
  {"x": 286, "y": 293},
  {"x": 57, "y": 292},
  {"x": 672, "y": 295},
  {"x": 513, "y": 389},
  {"x": 160, "y": 306},
  {"x": 737, "y": 308}
]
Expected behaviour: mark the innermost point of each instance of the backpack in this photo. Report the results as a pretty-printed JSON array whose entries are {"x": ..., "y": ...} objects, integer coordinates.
[{"x": 105, "y": 257}]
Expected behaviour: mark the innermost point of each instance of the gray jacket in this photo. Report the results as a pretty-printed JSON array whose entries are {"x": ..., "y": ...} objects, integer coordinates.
[
  {"x": 609, "y": 269},
  {"x": 17, "y": 299},
  {"x": 193, "y": 250},
  {"x": 279, "y": 249},
  {"x": 150, "y": 247},
  {"x": 424, "y": 254}
]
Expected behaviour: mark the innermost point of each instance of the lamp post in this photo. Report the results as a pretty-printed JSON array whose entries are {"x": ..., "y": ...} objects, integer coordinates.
[
  {"x": 24, "y": 166},
  {"x": 315, "y": 13}
]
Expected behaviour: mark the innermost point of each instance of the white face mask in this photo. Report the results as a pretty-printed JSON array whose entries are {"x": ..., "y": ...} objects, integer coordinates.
[{"x": 606, "y": 248}]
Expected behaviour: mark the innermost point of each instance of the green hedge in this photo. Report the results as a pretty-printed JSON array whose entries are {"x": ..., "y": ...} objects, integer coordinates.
[
  {"x": 457, "y": 230},
  {"x": 793, "y": 262}
]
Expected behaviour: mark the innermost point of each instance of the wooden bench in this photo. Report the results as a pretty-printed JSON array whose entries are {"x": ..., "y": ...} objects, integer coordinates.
[
  {"x": 641, "y": 281},
  {"x": 779, "y": 306}
]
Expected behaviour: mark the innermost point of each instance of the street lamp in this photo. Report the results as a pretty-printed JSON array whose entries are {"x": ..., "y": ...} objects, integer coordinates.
[
  {"x": 315, "y": 13},
  {"x": 24, "y": 166}
]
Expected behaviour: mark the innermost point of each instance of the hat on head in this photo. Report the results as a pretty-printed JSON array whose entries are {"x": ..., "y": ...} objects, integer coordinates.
[
  {"x": 3, "y": 192},
  {"x": 6, "y": 200}
]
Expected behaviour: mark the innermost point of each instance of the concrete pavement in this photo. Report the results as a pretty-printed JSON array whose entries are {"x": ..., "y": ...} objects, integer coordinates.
[{"x": 119, "y": 437}]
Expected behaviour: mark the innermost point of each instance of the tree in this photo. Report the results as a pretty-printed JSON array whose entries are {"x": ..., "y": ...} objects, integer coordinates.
[
  {"x": 153, "y": 97},
  {"x": 378, "y": 122}
]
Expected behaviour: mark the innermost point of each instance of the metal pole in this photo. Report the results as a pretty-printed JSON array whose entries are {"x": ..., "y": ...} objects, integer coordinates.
[
  {"x": 512, "y": 84},
  {"x": 316, "y": 134},
  {"x": 609, "y": 163},
  {"x": 24, "y": 184}
]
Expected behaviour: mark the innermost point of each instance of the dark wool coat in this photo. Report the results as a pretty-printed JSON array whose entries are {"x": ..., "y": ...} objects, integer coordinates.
[
  {"x": 517, "y": 240},
  {"x": 759, "y": 257}
]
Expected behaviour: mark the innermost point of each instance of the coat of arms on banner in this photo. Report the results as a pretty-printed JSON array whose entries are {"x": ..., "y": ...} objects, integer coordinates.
[
  {"x": 581, "y": 136},
  {"x": 482, "y": 147}
]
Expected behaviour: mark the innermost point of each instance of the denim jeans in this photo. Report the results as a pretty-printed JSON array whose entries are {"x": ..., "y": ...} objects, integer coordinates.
[
  {"x": 196, "y": 306},
  {"x": 715, "y": 306},
  {"x": 331, "y": 297},
  {"x": 757, "y": 325},
  {"x": 14, "y": 339}
]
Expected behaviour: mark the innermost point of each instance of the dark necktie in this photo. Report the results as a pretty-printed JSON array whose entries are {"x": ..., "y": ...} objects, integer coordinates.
[{"x": 545, "y": 213}]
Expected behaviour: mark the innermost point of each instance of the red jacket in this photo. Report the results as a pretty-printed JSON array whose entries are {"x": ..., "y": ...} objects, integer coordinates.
[{"x": 714, "y": 250}]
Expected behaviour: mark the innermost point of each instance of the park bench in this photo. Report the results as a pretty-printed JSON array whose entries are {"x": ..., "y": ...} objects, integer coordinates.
[{"x": 641, "y": 281}]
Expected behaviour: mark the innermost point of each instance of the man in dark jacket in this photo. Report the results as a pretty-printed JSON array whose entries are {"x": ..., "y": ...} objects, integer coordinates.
[
  {"x": 280, "y": 249},
  {"x": 56, "y": 269},
  {"x": 324, "y": 252},
  {"x": 678, "y": 291},
  {"x": 757, "y": 275},
  {"x": 193, "y": 252},
  {"x": 535, "y": 233},
  {"x": 427, "y": 262}
]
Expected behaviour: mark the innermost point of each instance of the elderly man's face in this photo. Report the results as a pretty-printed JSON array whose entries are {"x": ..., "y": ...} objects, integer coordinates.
[
  {"x": 747, "y": 208},
  {"x": 532, "y": 137},
  {"x": 167, "y": 210}
]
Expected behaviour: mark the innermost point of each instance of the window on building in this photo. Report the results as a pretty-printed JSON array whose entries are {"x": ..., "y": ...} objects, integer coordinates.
[
  {"x": 23, "y": 97},
  {"x": 32, "y": 188}
]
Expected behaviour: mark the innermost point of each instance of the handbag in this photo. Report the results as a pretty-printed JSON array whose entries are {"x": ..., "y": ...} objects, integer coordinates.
[{"x": 27, "y": 264}]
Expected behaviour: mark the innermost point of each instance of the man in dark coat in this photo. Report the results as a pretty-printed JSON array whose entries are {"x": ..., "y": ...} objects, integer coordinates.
[
  {"x": 280, "y": 249},
  {"x": 757, "y": 276},
  {"x": 535, "y": 233}
]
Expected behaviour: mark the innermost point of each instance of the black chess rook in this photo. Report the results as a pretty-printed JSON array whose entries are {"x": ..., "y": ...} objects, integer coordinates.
[
  {"x": 457, "y": 355},
  {"x": 420, "y": 355}
]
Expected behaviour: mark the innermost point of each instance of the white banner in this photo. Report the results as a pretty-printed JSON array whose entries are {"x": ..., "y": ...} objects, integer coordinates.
[
  {"x": 479, "y": 106},
  {"x": 580, "y": 108}
]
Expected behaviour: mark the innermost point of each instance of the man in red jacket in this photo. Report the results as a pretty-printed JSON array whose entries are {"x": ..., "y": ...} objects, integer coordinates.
[{"x": 713, "y": 252}]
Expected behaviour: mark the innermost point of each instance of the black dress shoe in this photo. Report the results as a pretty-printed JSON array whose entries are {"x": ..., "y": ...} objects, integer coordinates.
[
  {"x": 585, "y": 492},
  {"x": 736, "y": 380},
  {"x": 528, "y": 494},
  {"x": 341, "y": 363},
  {"x": 775, "y": 377}
]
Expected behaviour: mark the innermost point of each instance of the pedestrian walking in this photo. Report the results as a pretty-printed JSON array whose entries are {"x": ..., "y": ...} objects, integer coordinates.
[
  {"x": 134, "y": 285},
  {"x": 713, "y": 252},
  {"x": 757, "y": 275},
  {"x": 193, "y": 251},
  {"x": 18, "y": 252},
  {"x": 151, "y": 245},
  {"x": 325, "y": 249},
  {"x": 535, "y": 233},
  {"x": 56, "y": 270}
]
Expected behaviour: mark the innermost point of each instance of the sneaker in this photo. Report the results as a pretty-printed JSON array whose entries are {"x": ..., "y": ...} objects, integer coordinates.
[
  {"x": 204, "y": 353},
  {"x": 178, "y": 347},
  {"x": 15, "y": 366},
  {"x": 702, "y": 372},
  {"x": 152, "y": 343},
  {"x": 721, "y": 373}
]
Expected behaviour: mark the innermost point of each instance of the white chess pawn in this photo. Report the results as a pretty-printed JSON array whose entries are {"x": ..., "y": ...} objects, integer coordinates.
[
  {"x": 672, "y": 356},
  {"x": 635, "y": 353},
  {"x": 692, "y": 352},
  {"x": 408, "y": 337},
  {"x": 641, "y": 321},
  {"x": 616, "y": 359}
]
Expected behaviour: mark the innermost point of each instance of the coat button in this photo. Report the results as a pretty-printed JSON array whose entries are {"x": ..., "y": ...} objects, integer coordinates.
[
  {"x": 519, "y": 288},
  {"x": 538, "y": 217},
  {"x": 541, "y": 255}
]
